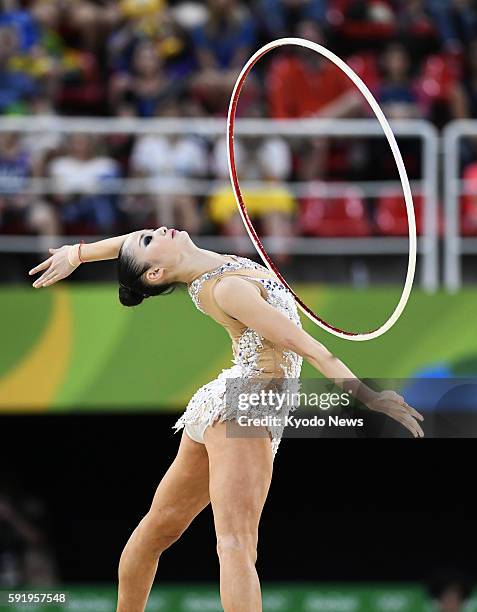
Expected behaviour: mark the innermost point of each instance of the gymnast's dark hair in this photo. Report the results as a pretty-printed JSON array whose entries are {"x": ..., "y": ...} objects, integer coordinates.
[{"x": 132, "y": 288}]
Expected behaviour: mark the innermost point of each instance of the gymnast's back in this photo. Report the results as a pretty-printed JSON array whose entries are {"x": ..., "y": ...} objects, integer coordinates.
[{"x": 254, "y": 356}]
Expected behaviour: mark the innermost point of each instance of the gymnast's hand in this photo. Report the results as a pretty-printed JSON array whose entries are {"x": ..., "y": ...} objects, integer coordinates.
[
  {"x": 56, "y": 267},
  {"x": 394, "y": 406}
]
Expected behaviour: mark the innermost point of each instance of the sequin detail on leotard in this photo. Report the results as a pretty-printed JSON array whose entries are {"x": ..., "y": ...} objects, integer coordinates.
[
  {"x": 196, "y": 285},
  {"x": 281, "y": 299}
]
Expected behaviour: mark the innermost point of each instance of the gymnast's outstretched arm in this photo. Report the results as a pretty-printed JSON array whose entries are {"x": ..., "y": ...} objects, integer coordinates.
[
  {"x": 64, "y": 260},
  {"x": 243, "y": 301}
]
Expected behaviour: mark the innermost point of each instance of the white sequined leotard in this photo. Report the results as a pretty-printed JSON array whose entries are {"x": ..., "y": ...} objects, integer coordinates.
[{"x": 253, "y": 355}]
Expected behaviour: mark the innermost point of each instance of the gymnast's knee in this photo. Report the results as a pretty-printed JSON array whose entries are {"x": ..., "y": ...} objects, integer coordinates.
[
  {"x": 237, "y": 543},
  {"x": 160, "y": 529}
]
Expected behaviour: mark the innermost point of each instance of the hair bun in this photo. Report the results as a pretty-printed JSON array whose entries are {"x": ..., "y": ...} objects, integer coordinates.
[{"x": 128, "y": 297}]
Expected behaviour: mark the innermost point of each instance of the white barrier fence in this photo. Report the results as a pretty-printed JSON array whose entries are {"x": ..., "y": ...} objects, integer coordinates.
[
  {"x": 213, "y": 128},
  {"x": 456, "y": 245}
]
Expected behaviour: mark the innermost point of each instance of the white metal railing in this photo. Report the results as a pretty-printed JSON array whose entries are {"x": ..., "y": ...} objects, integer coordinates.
[
  {"x": 210, "y": 126},
  {"x": 455, "y": 245},
  {"x": 175, "y": 185},
  {"x": 379, "y": 245},
  {"x": 427, "y": 186}
]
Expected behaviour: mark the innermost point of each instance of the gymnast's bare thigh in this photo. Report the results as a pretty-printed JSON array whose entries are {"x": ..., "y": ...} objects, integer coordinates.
[{"x": 184, "y": 489}]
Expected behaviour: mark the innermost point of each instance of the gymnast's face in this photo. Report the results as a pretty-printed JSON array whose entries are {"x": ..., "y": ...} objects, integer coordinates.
[{"x": 162, "y": 248}]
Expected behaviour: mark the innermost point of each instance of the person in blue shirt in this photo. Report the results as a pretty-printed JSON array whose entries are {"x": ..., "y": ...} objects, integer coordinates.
[
  {"x": 397, "y": 94},
  {"x": 15, "y": 86},
  {"x": 25, "y": 26},
  {"x": 225, "y": 40},
  {"x": 221, "y": 46}
]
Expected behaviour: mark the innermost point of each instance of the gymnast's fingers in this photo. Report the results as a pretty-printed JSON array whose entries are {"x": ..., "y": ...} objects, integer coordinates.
[
  {"x": 417, "y": 428},
  {"x": 404, "y": 408},
  {"x": 403, "y": 422},
  {"x": 42, "y": 266},
  {"x": 410, "y": 410},
  {"x": 420, "y": 430},
  {"x": 412, "y": 425},
  {"x": 43, "y": 278},
  {"x": 401, "y": 405},
  {"x": 52, "y": 279}
]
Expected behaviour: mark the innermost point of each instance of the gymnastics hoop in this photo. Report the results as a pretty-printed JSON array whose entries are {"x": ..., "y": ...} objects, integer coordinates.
[{"x": 411, "y": 266}]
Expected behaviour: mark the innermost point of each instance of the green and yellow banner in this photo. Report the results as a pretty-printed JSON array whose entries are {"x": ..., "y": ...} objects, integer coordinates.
[{"x": 73, "y": 347}]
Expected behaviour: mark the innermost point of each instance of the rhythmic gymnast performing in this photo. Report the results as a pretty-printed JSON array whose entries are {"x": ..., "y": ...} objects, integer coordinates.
[
  {"x": 231, "y": 472},
  {"x": 217, "y": 462}
]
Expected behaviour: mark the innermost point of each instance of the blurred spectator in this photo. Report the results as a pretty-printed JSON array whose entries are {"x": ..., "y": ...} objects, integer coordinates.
[
  {"x": 456, "y": 21},
  {"x": 41, "y": 146},
  {"x": 146, "y": 85},
  {"x": 301, "y": 83},
  {"x": 222, "y": 46},
  {"x": 399, "y": 97},
  {"x": 464, "y": 94},
  {"x": 15, "y": 83},
  {"x": 364, "y": 24},
  {"x": 278, "y": 17},
  {"x": 227, "y": 38},
  {"x": 189, "y": 14},
  {"x": 78, "y": 177},
  {"x": 46, "y": 14},
  {"x": 22, "y": 21},
  {"x": 416, "y": 27},
  {"x": 165, "y": 160},
  {"x": 38, "y": 51},
  {"x": 414, "y": 17},
  {"x": 19, "y": 212},
  {"x": 312, "y": 159},
  {"x": 463, "y": 101},
  {"x": 67, "y": 75},
  {"x": 397, "y": 94},
  {"x": 450, "y": 589},
  {"x": 269, "y": 203},
  {"x": 120, "y": 145},
  {"x": 26, "y": 559},
  {"x": 154, "y": 21},
  {"x": 379, "y": 12},
  {"x": 88, "y": 22}
]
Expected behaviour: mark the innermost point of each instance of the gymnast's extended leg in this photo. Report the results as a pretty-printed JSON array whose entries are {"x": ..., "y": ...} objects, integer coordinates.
[
  {"x": 240, "y": 475},
  {"x": 182, "y": 494}
]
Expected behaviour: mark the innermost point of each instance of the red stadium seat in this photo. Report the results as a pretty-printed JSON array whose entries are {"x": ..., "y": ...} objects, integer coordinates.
[
  {"x": 334, "y": 217},
  {"x": 391, "y": 215},
  {"x": 439, "y": 74},
  {"x": 365, "y": 66},
  {"x": 364, "y": 28},
  {"x": 468, "y": 203}
]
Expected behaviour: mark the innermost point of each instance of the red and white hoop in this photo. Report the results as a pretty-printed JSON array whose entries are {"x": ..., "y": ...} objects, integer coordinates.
[{"x": 411, "y": 266}]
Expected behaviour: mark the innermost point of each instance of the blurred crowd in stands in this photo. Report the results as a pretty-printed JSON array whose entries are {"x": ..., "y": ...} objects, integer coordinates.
[
  {"x": 153, "y": 58},
  {"x": 26, "y": 554}
]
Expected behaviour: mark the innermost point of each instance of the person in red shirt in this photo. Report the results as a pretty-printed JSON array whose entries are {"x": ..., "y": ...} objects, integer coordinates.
[{"x": 302, "y": 83}]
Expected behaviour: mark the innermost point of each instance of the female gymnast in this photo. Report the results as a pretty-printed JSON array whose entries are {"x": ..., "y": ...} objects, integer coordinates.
[{"x": 213, "y": 465}]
